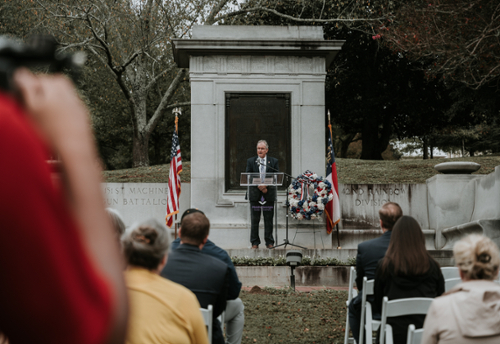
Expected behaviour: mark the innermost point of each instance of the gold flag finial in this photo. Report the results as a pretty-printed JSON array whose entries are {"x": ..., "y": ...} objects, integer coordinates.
[{"x": 177, "y": 112}]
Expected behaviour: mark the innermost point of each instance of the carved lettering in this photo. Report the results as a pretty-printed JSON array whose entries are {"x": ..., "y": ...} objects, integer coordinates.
[{"x": 111, "y": 201}]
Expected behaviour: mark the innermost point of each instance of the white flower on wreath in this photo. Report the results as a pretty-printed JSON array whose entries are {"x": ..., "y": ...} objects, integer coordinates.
[
  {"x": 300, "y": 216},
  {"x": 312, "y": 204},
  {"x": 330, "y": 197},
  {"x": 322, "y": 185},
  {"x": 321, "y": 206},
  {"x": 319, "y": 200},
  {"x": 313, "y": 216},
  {"x": 323, "y": 193},
  {"x": 314, "y": 176}
]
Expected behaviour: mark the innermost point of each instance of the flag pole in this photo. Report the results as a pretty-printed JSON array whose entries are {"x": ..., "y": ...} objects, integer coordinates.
[
  {"x": 177, "y": 112},
  {"x": 337, "y": 225}
]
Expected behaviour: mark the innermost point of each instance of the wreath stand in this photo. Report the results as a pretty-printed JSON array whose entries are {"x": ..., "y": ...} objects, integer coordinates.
[{"x": 314, "y": 231}]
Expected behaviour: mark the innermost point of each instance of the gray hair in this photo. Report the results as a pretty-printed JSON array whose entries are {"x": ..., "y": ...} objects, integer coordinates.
[
  {"x": 477, "y": 257},
  {"x": 117, "y": 220},
  {"x": 145, "y": 244},
  {"x": 264, "y": 142}
]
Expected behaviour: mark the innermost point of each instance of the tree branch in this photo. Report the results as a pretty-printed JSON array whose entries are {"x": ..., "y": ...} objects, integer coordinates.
[
  {"x": 168, "y": 94},
  {"x": 210, "y": 20},
  {"x": 156, "y": 78},
  {"x": 300, "y": 20}
]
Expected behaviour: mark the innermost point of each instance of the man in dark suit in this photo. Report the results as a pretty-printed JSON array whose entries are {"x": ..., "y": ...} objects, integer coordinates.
[
  {"x": 262, "y": 197},
  {"x": 206, "y": 276},
  {"x": 235, "y": 315},
  {"x": 369, "y": 253}
]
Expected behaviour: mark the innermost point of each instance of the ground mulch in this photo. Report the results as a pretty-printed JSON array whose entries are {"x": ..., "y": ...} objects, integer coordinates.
[
  {"x": 283, "y": 316},
  {"x": 350, "y": 171}
]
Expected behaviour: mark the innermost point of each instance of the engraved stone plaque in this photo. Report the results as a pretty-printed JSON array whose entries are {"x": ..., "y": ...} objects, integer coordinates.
[{"x": 250, "y": 118}]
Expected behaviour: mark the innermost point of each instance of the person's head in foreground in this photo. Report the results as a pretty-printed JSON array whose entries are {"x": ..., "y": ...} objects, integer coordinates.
[
  {"x": 477, "y": 258},
  {"x": 117, "y": 220},
  {"x": 389, "y": 214},
  {"x": 470, "y": 311},
  {"x": 146, "y": 245},
  {"x": 406, "y": 253},
  {"x": 194, "y": 229}
]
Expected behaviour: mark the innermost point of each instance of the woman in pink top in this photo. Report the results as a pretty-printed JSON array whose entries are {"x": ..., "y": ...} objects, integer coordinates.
[{"x": 469, "y": 312}]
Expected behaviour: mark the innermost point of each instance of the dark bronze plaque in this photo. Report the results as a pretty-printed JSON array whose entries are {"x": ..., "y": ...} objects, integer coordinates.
[{"x": 254, "y": 117}]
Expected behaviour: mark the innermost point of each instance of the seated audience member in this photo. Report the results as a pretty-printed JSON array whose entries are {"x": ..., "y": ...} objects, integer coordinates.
[
  {"x": 469, "y": 312},
  {"x": 234, "y": 316},
  {"x": 161, "y": 311},
  {"x": 407, "y": 270},
  {"x": 60, "y": 264},
  {"x": 207, "y": 277},
  {"x": 369, "y": 253}
]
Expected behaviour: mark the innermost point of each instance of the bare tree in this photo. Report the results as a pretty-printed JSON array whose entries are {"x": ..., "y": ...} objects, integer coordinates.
[{"x": 133, "y": 40}]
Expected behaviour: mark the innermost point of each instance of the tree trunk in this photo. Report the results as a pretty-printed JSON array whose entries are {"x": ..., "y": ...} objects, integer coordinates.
[
  {"x": 425, "y": 148},
  {"x": 140, "y": 152},
  {"x": 345, "y": 141},
  {"x": 370, "y": 142}
]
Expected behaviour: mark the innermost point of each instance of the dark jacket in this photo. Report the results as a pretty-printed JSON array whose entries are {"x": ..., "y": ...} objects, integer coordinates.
[
  {"x": 207, "y": 277},
  {"x": 429, "y": 284},
  {"x": 369, "y": 253},
  {"x": 215, "y": 251},
  {"x": 254, "y": 193}
]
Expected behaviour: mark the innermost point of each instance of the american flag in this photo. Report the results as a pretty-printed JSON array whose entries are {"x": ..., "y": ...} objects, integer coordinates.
[
  {"x": 174, "y": 180},
  {"x": 332, "y": 208}
]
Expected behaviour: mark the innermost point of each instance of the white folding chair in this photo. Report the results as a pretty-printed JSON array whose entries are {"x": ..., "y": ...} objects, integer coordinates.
[
  {"x": 450, "y": 283},
  {"x": 450, "y": 272},
  {"x": 399, "y": 307},
  {"x": 208, "y": 319},
  {"x": 414, "y": 336},
  {"x": 222, "y": 319},
  {"x": 352, "y": 293},
  {"x": 368, "y": 324}
]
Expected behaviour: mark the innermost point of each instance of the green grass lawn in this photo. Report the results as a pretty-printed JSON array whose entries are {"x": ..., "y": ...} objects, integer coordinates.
[
  {"x": 350, "y": 171},
  {"x": 282, "y": 316}
]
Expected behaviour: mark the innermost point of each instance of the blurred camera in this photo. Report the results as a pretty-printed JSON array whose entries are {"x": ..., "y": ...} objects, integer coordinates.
[{"x": 38, "y": 51}]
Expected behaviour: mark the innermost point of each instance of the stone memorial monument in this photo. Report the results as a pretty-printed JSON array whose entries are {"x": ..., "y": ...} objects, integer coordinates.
[{"x": 250, "y": 83}]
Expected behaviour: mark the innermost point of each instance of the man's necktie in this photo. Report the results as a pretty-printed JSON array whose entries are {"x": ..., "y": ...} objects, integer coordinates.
[{"x": 262, "y": 170}]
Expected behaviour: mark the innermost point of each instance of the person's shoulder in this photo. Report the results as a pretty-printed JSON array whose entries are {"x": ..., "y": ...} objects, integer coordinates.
[
  {"x": 213, "y": 250},
  {"x": 252, "y": 159},
  {"x": 168, "y": 288},
  {"x": 366, "y": 244}
]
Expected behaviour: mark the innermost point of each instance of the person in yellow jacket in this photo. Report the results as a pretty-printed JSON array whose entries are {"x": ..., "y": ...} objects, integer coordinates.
[{"x": 161, "y": 311}]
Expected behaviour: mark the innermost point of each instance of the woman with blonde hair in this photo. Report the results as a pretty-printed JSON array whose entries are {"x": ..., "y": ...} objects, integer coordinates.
[
  {"x": 469, "y": 312},
  {"x": 161, "y": 311}
]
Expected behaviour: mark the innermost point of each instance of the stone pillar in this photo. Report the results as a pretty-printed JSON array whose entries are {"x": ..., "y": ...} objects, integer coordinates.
[{"x": 252, "y": 59}]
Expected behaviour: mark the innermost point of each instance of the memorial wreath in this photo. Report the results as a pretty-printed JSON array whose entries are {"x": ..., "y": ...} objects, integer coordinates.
[{"x": 301, "y": 204}]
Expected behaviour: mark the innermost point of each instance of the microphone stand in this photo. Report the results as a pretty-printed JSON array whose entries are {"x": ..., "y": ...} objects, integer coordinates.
[{"x": 285, "y": 241}]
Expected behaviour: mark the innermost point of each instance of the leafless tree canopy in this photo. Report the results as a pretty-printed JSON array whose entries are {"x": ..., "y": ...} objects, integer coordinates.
[{"x": 459, "y": 38}]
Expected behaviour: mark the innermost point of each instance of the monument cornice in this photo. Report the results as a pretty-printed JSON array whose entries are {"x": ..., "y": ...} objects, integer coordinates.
[{"x": 184, "y": 48}]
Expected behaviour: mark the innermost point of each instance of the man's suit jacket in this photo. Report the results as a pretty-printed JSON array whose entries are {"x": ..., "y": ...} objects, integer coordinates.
[
  {"x": 213, "y": 250},
  {"x": 369, "y": 253},
  {"x": 207, "y": 277},
  {"x": 254, "y": 193}
]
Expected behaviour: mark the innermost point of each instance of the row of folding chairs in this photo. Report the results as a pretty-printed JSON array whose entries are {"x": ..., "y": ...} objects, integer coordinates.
[{"x": 368, "y": 325}]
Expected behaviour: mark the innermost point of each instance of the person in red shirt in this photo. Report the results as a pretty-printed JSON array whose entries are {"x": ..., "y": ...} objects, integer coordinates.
[{"x": 60, "y": 264}]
